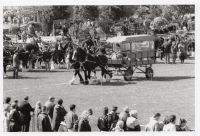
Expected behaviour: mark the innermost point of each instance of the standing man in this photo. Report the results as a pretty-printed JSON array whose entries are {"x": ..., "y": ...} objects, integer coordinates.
[
  {"x": 46, "y": 58},
  {"x": 167, "y": 50},
  {"x": 16, "y": 63},
  {"x": 59, "y": 113},
  {"x": 25, "y": 109},
  {"x": 72, "y": 119},
  {"x": 50, "y": 106},
  {"x": 43, "y": 121}
]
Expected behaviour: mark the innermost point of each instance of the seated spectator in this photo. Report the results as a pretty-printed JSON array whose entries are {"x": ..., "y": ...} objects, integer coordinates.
[
  {"x": 93, "y": 121},
  {"x": 124, "y": 115},
  {"x": 50, "y": 106},
  {"x": 72, "y": 119},
  {"x": 6, "y": 111},
  {"x": 14, "y": 119},
  {"x": 38, "y": 110},
  {"x": 119, "y": 126},
  {"x": 171, "y": 125},
  {"x": 153, "y": 124},
  {"x": 103, "y": 123},
  {"x": 43, "y": 122},
  {"x": 182, "y": 126},
  {"x": 63, "y": 127},
  {"x": 113, "y": 117},
  {"x": 83, "y": 125},
  {"x": 132, "y": 121}
]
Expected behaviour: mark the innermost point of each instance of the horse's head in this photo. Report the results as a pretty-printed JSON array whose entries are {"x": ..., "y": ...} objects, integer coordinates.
[{"x": 79, "y": 54}]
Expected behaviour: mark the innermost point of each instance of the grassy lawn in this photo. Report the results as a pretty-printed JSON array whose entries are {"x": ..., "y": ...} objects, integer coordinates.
[{"x": 172, "y": 91}]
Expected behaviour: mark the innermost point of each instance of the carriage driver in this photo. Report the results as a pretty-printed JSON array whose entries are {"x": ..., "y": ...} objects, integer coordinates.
[{"x": 89, "y": 45}]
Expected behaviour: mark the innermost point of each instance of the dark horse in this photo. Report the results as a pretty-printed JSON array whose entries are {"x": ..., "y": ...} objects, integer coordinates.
[{"x": 88, "y": 63}]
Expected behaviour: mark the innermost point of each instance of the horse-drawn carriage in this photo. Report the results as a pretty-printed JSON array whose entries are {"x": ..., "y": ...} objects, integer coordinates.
[{"x": 134, "y": 52}]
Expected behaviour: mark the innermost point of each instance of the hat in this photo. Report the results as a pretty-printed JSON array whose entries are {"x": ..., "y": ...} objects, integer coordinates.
[
  {"x": 126, "y": 109},
  {"x": 105, "y": 110},
  {"x": 134, "y": 113},
  {"x": 114, "y": 108},
  {"x": 51, "y": 98},
  {"x": 26, "y": 98}
]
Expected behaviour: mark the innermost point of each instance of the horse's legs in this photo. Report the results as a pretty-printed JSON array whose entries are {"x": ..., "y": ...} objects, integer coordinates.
[
  {"x": 86, "y": 77},
  {"x": 74, "y": 77},
  {"x": 80, "y": 76},
  {"x": 89, "y": 74}
]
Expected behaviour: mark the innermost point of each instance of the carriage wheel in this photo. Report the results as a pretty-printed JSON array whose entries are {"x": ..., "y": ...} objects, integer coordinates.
[
  {"x": 149, "y": 73},
  {"x": 128, "y": 74}
]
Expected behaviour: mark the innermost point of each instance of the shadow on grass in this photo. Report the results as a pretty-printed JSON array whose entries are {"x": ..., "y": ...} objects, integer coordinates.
[
  {"x": 162, "y": 78},
  {"x": 117, "y": 83},
  {"x": 24, "y": 77},
  {"x": 43, "y": 70}
]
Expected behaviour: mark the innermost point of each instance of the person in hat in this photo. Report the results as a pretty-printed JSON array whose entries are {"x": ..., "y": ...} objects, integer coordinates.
[
  {"x": 124, "y": 115},
  {"x": 50, "y": 106},
  {"x": 103, "y": 122},
  {"x": 72, "y": 119},
  {"x": 43, "y": 121},
  {"x": 132, "y": 122},
  {"x": 113, "y": 117},
  {"x": 14, "y": 119},
  {"x": 153, "y": 124},
  {"x": 182, "y": 125},
  {"x": 88, "y": 43},
  {"x": 59, "y": 113},
  {"x": 25, "y": 112},
  {"x": 16, "y": 64}
]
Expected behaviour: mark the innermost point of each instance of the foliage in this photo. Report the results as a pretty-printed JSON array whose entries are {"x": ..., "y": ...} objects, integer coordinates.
[{"x": 105, "y": 16}]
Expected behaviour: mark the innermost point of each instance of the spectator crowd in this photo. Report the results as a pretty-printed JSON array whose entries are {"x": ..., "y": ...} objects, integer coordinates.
[{"x": 53, "y": 117}]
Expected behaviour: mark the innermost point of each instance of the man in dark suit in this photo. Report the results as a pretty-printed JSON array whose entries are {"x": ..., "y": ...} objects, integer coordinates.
[
  {"x": 43, "y": 121},
  {"x": 58, "y": 115},
  {"x": 25, "y": 110}
]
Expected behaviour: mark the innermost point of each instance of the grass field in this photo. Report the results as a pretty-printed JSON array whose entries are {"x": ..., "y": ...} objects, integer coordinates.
[{"x": 172, "y": 91}]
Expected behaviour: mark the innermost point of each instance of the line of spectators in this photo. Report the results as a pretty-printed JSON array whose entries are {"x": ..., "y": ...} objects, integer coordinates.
[
  {"x": 52, "y": 117},
  {"x": 174, "y": 48}
]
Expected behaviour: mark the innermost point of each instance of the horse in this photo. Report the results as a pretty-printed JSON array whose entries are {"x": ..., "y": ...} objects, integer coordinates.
[{"x": 88, "y": 63}]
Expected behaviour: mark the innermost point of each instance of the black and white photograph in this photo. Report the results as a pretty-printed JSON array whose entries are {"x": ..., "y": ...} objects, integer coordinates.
[{"x": 99, "y": 68}]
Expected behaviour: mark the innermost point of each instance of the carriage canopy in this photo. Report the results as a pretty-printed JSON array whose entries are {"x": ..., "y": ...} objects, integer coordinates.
[
  {"x": 133, "y": 43},
  {"x": 130, "y": 38}
]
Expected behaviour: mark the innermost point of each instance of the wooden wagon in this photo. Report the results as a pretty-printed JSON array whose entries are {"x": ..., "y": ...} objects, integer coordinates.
[{"x": 136, "y": 53}]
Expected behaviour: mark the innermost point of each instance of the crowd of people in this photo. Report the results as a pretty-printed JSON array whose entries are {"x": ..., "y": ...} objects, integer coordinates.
[
  {"x": 176, "y": 47},
  {"x": 53, "y": 117}
]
